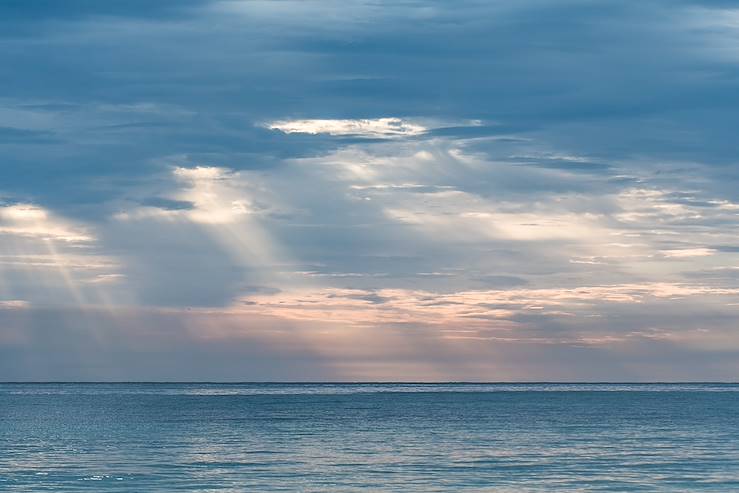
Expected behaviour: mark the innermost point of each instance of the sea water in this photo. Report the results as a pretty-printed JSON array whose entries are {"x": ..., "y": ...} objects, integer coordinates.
[{"x": 368, "y": 437}]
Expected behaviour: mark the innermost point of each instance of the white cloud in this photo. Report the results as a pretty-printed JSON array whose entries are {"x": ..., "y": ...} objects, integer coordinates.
[
  {"x": 29, "y": 220},
  {"x": 688, "y": 252},
  {"x": 376, "y": 128},
  {"x": 217, "y": 194},
  {"x": 13, "y": 304}
]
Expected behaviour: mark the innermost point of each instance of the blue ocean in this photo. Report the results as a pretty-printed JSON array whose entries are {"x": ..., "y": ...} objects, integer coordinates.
[{"x": 369, "y": 437}]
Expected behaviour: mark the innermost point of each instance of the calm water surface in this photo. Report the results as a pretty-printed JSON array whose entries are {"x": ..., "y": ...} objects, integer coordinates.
[{"x": 463, "y": 437}]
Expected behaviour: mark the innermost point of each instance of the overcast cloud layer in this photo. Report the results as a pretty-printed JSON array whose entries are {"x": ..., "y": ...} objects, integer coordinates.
[{"x": 279, "y": 190}]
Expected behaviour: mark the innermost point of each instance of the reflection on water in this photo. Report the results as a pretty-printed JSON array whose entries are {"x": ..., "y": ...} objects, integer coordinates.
[{"x": 409, "y": 437}]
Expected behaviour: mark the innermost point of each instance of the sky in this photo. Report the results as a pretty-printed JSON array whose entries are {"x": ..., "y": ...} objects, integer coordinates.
[{"x": 224, "y": 190}]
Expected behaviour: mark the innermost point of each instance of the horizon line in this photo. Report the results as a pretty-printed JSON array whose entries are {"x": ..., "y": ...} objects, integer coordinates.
[{"x": 348, "y": 382}]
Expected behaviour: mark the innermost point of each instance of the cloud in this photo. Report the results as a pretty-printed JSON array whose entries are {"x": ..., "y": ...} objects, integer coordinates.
[
  {"x": 32, "y": 221},
  {"x": 688, "y": 252},
  {"x": 13, "y": 304},
  {"x": 557, "y": 179},
  {"x": 223, "y": 220},
  {"x": 181, "y": 345},
  {"x": 490, "y": 309},
  {"x": 49, "y": 260},
  {"x": 211, "y": 195},
  {"x": 378, "y": 128}
]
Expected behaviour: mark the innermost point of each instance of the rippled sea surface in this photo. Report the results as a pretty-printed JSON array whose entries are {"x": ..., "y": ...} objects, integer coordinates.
[{"x": 369, "y": 437}]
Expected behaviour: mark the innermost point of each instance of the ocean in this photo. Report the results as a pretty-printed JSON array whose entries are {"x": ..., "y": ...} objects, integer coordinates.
[{"x": 368, "y": 437}]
